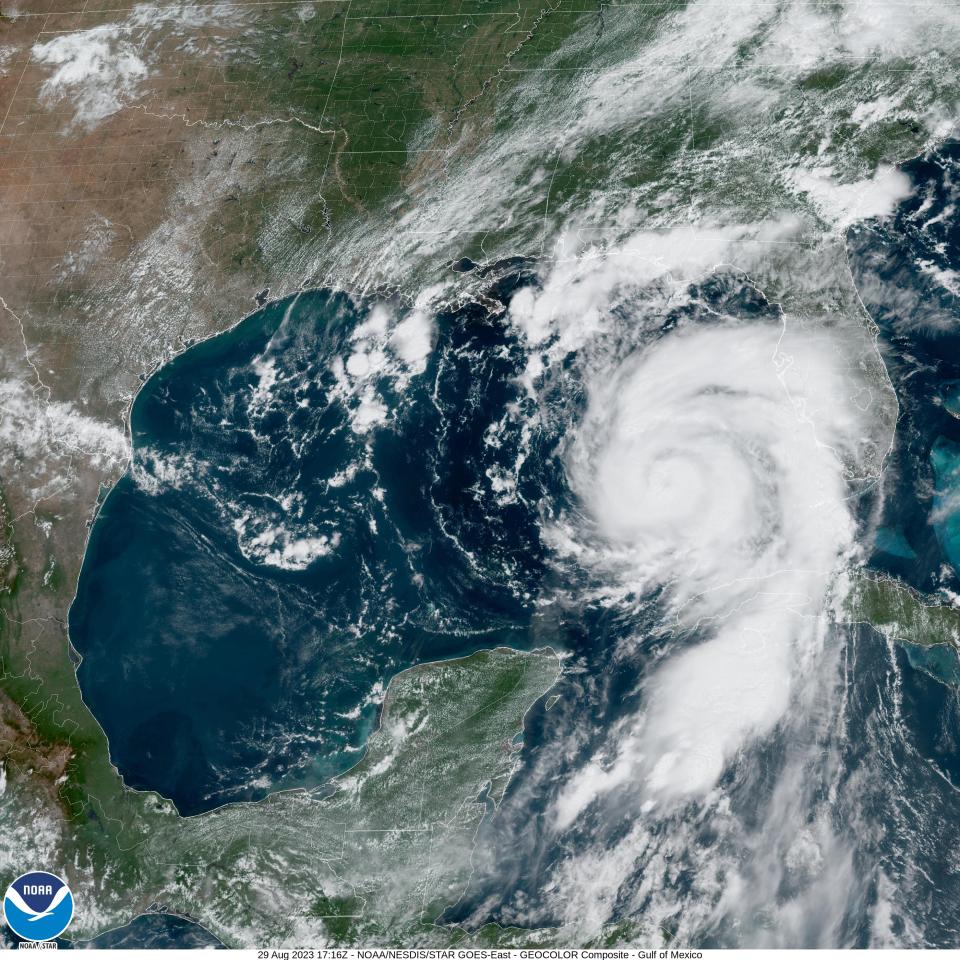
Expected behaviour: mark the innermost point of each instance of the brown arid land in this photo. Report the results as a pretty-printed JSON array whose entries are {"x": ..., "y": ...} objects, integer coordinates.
[{"x": 162, "y": 165}]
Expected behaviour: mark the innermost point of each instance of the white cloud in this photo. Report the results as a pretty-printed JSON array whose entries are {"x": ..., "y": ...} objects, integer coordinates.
[
  {"x": 740, "y": 69},
  {"x": 40, "y": 438},
  {"x": 576, "y": 296},
  {"x": 842, "y": 204},
  {"x": 98, "y": 70},
  {"x": 412, "y": 339},
  {"x": 263, "y": 540},
  {"x": 714, "y": 466}
]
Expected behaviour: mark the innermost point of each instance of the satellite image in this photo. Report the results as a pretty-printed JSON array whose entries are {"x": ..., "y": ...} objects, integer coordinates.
[{"x": 480, "y": 473}]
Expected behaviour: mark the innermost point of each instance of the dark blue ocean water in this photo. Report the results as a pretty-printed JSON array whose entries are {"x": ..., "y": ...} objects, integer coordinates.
[
  {"x": 893, "y": 797},
  {"x": 907, "y": 269},
  {"x": 903, "y": 751},
  {"x": 219, "y": 674},
  {"x": 153, "y": 931}
]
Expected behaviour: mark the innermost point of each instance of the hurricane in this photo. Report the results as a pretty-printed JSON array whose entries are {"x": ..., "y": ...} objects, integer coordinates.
[
  {"x": 636, "y": 386},
  {"x": 721, "y": 468},
  {"x": 712, "y": 467}
]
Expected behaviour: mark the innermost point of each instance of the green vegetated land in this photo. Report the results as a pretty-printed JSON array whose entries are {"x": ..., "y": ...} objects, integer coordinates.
[
  {"x": 374, "y": 73},
  {"x": 394, "y": 91},
  {"x": 375, "y": 857},
  {"x": 897, "y": 612},
  {"x": 384, "y": 94}
]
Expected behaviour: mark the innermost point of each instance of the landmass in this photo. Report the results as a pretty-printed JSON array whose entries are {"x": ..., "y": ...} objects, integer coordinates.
[
  {"x": 222, "y": 149},
  {"x": 899, "y": 613},
  {"x": 161, "y": 166},
  {"x": 375, "y": 856}
]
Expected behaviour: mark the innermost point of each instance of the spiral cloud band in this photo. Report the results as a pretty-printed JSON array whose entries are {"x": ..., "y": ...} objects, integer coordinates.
[{"x": 713, "y": 466}]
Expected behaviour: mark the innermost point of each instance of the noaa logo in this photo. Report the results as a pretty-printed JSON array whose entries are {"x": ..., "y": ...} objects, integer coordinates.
[{"x": 38, "y": 906}]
